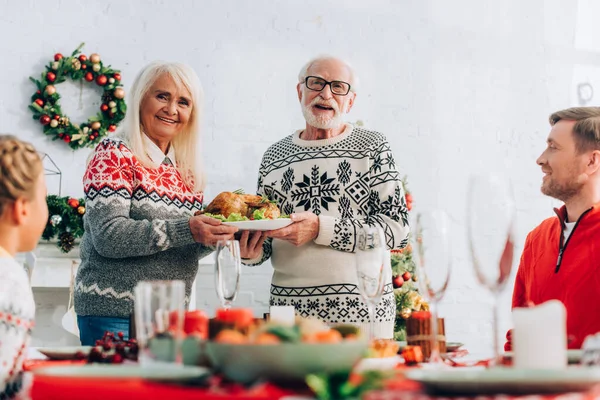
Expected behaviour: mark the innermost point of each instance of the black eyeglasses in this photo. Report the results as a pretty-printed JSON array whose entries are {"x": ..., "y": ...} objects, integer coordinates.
[{"x": 317, "y": 84}]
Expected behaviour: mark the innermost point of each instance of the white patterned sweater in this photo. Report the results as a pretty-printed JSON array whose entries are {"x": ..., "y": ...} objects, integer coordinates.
[
  {"x": 348, "y": 181},
  {"x": 17, "y": 313}
]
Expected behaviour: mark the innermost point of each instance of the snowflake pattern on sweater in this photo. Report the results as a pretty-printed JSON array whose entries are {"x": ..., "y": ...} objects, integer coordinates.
[
  {"x": 348, "y": 181},
  {"x": 17, "y": 313},
  {"x": 136, "y": 228}
]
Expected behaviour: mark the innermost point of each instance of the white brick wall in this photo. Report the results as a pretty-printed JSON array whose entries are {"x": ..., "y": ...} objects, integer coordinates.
[{"x": 456, "y": 86}]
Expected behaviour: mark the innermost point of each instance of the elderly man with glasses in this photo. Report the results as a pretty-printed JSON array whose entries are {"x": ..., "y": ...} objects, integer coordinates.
[{"x": 331, "y": 178}]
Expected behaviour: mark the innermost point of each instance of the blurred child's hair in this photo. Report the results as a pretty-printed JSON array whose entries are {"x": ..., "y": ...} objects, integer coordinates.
[{"x": 20, "y": 167}]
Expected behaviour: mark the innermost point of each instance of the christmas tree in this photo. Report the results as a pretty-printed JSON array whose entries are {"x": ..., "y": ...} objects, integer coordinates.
[{"x": 406, "y": 290}]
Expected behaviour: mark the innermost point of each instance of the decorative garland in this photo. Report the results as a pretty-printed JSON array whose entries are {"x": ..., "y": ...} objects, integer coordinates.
[
  {"x": 46, "y": 107},
  {"x": 65, "y": 221}
]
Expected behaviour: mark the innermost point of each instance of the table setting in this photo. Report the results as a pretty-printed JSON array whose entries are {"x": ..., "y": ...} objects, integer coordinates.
[{"x": 233, "y": 354}]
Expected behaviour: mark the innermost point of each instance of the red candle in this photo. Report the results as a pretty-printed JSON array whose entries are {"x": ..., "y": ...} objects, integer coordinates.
[
  {"x": 240, "y": 317},
  {"x": 196, "y": 322},
  {"x": 421, "y": 315}
]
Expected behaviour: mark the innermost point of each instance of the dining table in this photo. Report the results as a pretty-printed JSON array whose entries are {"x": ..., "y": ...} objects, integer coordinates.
[{"x": 395, "y": 386}]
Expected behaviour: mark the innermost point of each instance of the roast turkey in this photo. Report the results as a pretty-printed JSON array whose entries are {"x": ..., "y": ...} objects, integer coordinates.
[{"x": 244, "y": 204}]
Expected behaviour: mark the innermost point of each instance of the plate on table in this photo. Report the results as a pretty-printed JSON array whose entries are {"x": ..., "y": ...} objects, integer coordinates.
[
  {"x": 573, "y": 356},
  {"x": 465, "y": 381},
  {"x": 453, "y": 346},
  {"x": 378, "y": 363},
  {"x": 168, "y": 373},
  {"x": 261, "y": 224},
  {"x": 64, "y": 353}
]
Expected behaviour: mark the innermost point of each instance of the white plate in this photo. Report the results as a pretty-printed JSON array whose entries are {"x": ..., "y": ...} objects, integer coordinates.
[
  {"x": 261, "y": 224},
  {"x": 465, "y": 381},
  {"x": 63, "y": 353},
  {"x": 573, "y": 356},
  {"x": 159, "y": 373},
  {"x": 378, "y": 363}
]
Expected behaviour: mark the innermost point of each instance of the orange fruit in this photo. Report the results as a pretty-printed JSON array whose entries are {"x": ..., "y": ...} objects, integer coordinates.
[
  {"x": 330, "y": 336},
  {"x": 230, "y": 336},
  {"x": 267, "y": 338}
]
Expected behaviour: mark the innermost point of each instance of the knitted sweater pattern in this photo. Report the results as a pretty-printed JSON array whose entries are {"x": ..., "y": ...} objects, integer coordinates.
[
  {"x": 136, "y": 228},
  {"x": 349, "y": 181},
  {"x": 17, "y": 313}
]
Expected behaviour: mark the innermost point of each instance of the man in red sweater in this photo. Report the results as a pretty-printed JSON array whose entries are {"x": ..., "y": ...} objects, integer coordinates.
[{"x": 561, "y": 258}]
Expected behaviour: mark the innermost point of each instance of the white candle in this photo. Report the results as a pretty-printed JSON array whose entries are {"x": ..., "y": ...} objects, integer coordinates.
[
  {"x": 539, "y": 337},
  {"x": 285, "y": 315}
]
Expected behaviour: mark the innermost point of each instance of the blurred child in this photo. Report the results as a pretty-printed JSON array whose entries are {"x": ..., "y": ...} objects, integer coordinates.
[{"x": 23, "y": 216}]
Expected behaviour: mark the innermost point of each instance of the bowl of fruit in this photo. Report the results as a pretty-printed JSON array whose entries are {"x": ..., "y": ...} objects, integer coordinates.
[{"x": 279, "y": 352}]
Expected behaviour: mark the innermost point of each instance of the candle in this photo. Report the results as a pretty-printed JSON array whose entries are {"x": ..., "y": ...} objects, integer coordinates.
[
  {"x": 539, "y": 336},
  {"x": 285, "y": 315}
]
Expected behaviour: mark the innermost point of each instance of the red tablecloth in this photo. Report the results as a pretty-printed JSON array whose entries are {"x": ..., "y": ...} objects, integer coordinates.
[
  {"x": 71, "y": 388},
  {"x": 67, "y": 388}
]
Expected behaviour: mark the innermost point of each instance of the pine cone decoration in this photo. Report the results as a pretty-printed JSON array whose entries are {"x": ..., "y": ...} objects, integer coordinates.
[{"x": 66, "y": 242}]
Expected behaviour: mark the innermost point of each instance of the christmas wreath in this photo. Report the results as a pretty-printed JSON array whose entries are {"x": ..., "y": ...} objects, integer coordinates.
[
  {"x": 65, "y": 221},
  {"x": 406, "y": 291},
  {"x": 46, "y": 107}
]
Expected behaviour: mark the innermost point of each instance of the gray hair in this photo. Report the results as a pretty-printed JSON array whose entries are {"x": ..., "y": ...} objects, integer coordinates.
[
  {"x": 354, "y": 82},
  {"x": 186, "y": 143}
]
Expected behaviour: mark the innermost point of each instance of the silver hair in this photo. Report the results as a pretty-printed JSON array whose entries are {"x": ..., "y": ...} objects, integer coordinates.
[
  {"x": 185, "y": 143},
  {"x": 354, "y": 81}
]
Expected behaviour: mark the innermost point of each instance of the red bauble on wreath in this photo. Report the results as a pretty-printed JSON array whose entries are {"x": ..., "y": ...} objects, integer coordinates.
[{"x": 46, "y": 107}]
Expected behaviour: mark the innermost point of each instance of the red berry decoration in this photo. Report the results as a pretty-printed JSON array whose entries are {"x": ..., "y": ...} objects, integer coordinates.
[
  {"x": 113, "y": 350},
  {"x": 406, "y": 276},
  {"x": 398, "y": 282},
  {"x": 101, "y": 80},
  {"x": 77, "y": 67}
]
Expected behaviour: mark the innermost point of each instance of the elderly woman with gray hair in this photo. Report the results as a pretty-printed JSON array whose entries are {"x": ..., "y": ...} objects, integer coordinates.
[{"x": 142, "y": 189}]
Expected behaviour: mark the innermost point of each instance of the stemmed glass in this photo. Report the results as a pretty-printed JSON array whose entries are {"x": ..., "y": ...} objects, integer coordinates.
[
  {"x": 372, "y": 268},
  {"x": 491, "y": 214},
  {"x": 431, "y": 236},
  {"x": 228, "y": 267}
]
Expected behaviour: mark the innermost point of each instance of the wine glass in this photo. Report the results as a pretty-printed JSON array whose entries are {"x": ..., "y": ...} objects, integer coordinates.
[
  {"x": 372, "y": 268},
  {"x": 159, "y": 310},
  {"x": 228, "y": 267},
  {"x": 491, "y": 214},
  {"x": 431, "y": 236}
]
